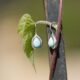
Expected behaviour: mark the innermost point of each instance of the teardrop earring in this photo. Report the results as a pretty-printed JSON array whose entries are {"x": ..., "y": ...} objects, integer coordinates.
[
  {"x": 36, "y": 40},
  {"x": 52, "y": 40}
]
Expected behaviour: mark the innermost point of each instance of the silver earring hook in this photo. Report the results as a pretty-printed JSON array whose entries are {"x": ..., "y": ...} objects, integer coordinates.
[
  {"x": 36, "y": 40},
  {"x": 35, "y": 29},
  {"x": 51, "y": 28}
]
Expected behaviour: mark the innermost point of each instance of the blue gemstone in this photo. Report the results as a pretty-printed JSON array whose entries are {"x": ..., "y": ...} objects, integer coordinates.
[{"x": 36, "y": 43}]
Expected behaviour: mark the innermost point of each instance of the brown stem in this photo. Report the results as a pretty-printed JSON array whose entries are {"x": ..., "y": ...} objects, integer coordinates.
[
  {"x": 53, "y": 53},
  {"x": 53, "y": 56},
  {"x": 59, "y": 21},
  {"x": 53, "y": 59}
]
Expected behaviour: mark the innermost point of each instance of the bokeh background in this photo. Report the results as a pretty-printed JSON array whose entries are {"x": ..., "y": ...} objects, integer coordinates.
[{"x": 14, "y": 65}]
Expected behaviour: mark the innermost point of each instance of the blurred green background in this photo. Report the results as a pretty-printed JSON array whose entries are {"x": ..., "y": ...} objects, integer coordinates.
[
  {"x": 71, "y": 23},
  {"x": 13, "y": 61}
]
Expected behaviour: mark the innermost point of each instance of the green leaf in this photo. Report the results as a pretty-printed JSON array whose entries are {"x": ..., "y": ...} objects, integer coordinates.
[{"x": 26, "y": 30}]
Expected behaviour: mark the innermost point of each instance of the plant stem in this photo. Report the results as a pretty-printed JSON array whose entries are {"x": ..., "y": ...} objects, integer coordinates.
[
  {"x": 51, "y": 24},
  {"x": 43, "y": 22}
]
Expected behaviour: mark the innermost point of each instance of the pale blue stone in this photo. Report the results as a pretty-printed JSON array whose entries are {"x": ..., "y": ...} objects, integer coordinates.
[
  {"x": 51, "y": 42},
  {"x": 36, "y": 42}
]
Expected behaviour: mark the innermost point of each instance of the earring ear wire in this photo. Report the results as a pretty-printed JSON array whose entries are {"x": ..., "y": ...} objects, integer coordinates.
[{"x": 36, "y": 40}]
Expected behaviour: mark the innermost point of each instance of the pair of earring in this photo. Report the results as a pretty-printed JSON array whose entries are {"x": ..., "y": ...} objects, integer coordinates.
[{"x": 37, "y": 41}]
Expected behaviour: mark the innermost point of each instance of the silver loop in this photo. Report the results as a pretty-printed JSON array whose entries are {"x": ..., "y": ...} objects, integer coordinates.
[
  {"x": 54, "y": 25},
  {"x": 50, "y": 28}
]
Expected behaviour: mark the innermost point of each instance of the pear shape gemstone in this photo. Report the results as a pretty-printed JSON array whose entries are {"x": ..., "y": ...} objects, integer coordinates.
[
  {"x": 52, "y": 41},
  {"x": 36, "y": 41}
]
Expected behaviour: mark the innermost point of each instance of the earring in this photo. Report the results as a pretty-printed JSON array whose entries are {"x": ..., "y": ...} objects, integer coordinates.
[
  {"x": 52, "y": 40},
  {"x": 36, "y": 40}
]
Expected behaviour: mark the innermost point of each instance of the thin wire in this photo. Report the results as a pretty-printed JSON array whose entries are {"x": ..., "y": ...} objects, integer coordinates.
[
  {"x": 51, "y": 29},
  {"x": 35, "y": 29}
]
